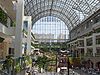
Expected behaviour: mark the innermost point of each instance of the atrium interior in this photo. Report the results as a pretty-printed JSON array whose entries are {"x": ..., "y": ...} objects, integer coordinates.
[{"x": 49, "y": 37}]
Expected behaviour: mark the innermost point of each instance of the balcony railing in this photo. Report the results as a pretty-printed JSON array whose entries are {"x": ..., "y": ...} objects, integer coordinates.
[
  {"x": 98, "y": 41},
  {"x": 82, "y": 56},
  {"x": 89, "y": 55},
  {"x": 89, "y": 43},
  {"x": 97, "y": 54}
]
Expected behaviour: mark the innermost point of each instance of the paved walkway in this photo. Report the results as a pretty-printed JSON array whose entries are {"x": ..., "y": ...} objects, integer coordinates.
[{"x": 53, "y": 73}]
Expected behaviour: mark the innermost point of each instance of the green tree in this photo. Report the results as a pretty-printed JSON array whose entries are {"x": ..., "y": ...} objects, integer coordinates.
[{"x": 41, "y": 61}]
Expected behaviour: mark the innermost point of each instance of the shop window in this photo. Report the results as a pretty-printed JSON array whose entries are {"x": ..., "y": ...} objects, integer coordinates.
[{"x": 89, "y": 42}]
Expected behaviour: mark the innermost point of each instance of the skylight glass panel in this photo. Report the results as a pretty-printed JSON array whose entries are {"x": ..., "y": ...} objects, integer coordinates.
[
  {"x": 53, "y": 29},
  {"x": 68, "y": 8}
]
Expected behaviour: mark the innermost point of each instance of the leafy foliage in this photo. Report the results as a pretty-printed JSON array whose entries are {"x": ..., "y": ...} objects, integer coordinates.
[
  {"x": 1, "y": 39},
  {"x": 41, "y": 61}
]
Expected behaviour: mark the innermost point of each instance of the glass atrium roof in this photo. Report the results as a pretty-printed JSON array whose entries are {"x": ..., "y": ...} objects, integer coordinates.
[{"x": 72, "y": 12}]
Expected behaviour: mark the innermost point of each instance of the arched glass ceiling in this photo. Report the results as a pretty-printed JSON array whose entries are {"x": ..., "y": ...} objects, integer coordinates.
[
  {"x": 50, "y": 29},
  {"x": 72, "y": 12}
]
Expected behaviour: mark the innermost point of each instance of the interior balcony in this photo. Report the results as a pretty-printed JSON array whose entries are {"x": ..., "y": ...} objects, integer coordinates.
[
  {"x": 98, "y": 40},
  {"x": 89, "y": 42},
  {"x": 97, "y": 54},
  {"x": 7, "y": 26},
  {"x": 81, "y": 43},
  {"x": 89, "y": 54},
  {"x": 7, "y": 31}
]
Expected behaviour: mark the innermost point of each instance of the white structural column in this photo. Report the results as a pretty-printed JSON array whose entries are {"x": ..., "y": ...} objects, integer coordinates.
[
  {"x": 19, "y": 27},
  {"x": 28, "y": 40},
  {"x": 94, "y": 44},
  {"x": 8, "y": 22},
  {"x": 29, "y": 35}
]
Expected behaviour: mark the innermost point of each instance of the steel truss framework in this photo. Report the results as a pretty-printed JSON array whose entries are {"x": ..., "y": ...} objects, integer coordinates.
[{"x": 72, "y": 12}]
